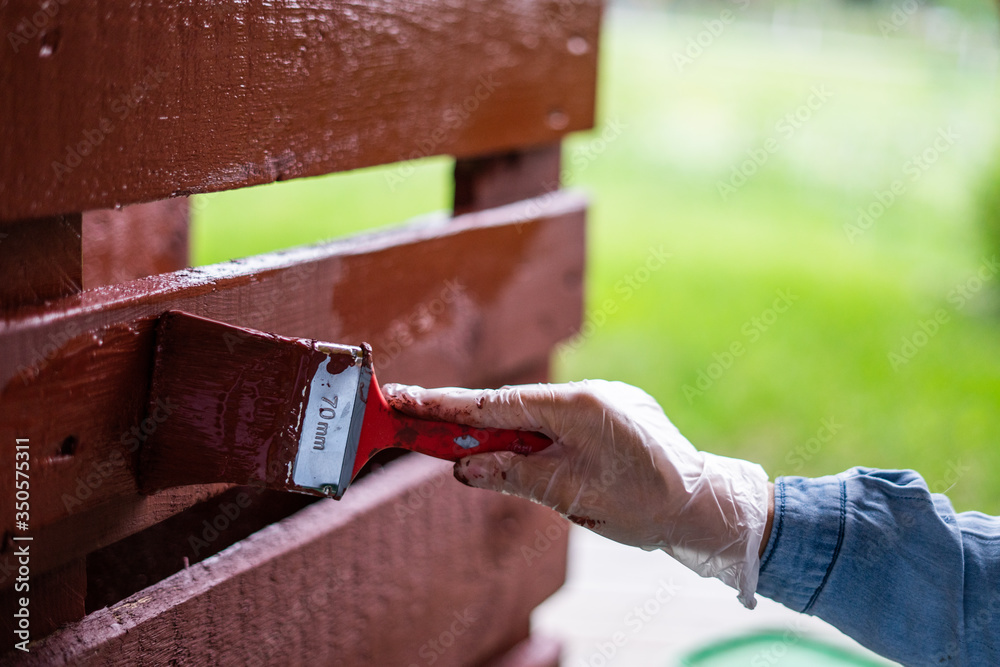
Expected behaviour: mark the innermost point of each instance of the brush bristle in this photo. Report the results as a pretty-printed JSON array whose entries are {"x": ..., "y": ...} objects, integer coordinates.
[{"x": 225, "y": 404}]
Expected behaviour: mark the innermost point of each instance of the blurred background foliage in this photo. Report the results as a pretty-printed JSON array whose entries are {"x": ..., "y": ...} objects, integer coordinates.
[{"x": 816, "y": 388}]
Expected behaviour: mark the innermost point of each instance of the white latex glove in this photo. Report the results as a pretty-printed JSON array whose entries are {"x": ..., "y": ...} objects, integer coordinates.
[{"x": 617, "y": 466}]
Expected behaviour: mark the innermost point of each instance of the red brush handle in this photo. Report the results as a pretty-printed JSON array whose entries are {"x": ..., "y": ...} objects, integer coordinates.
[{"x": 386, "y": 428}]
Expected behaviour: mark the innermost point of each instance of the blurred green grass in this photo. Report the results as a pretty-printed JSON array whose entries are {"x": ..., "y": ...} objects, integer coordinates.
[{"x": 654, "y": 184}]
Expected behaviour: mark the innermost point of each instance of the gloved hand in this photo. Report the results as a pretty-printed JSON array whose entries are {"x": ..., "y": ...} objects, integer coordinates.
[{"x": 617, "y": 466}]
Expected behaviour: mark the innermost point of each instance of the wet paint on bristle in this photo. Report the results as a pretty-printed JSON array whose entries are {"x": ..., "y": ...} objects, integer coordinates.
[
  {"x": 236, "y": 400},
  {"x": 246, "y": 407}
]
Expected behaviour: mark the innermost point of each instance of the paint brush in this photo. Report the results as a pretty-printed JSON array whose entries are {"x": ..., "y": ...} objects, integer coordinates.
[{"x": 235, "y": 405}]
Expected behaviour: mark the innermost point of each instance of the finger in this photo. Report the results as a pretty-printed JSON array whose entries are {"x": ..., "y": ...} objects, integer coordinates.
[
  {"x": 533, "y": 477},
  {"x": 523, "y": 407}
]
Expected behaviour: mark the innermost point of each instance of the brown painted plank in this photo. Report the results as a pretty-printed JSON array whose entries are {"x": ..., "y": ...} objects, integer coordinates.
[
  {"x": 55, "y": 544},
  {"x": 187, "y": 538},
  {"x": 495, "y": 180},
  {"x": 135, "y": 242},
  {"x": 478, "y": 299},
  {"x": 176, "y": 98},
  {"x": 40, "y": 260},
  {"x": 354, "y": 582}
]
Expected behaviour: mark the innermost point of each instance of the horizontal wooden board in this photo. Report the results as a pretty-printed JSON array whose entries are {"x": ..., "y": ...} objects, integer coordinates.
[
  {"x": 40, "y": 260},
  {"x": 307, "y": 590},
  {"x": 134, "y": 242},
  {"x": 472, "y": 300},
  {"x": 123, "y": 102},
  {"x": 151, "y": 555}
]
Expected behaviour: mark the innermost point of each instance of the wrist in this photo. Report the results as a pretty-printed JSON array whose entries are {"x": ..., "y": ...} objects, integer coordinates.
[{"x": 766, "y": 537}]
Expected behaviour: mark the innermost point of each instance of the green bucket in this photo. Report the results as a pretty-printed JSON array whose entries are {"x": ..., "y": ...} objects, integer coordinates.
[{"x": 774, "y": 649}]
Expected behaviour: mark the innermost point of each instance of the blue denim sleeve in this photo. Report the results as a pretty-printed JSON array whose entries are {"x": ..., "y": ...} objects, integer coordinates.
[{"x": 877, "y": 555}]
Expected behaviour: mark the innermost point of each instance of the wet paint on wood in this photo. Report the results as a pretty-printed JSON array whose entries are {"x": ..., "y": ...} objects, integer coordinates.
[
  {"x": 446, "y": 303},
  {"x": 174, "y": 97}
]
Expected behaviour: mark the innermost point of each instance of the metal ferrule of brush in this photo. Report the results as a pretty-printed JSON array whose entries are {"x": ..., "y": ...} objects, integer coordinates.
[{"x": 331, "y": 423}]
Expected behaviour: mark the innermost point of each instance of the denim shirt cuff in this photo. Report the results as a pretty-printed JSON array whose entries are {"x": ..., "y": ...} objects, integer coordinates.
[{"x": 806, "y": 538}]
